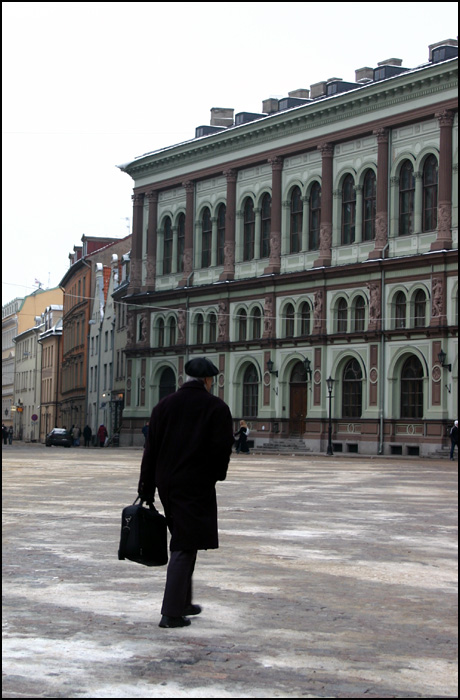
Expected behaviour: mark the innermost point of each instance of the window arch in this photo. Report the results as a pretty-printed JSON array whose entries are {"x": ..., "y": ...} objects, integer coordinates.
[
  {"x": 342, "y": 315},
  {"x": 430, "y": 194},
  {"x": 289, "y": 321},
  {"x": 406, "y": 199},
  {"x": 248, "y": 229},
  {"x": 369, "y": 205},
  {"x": 420, "y": 309},
  {"x": 296, "y": 220},
  {"x": 400, "y": 310},
  {"x": 348, "y": 210},
  {"x": 221, "y": 214},
  {"x": 206, "y": 238},
  {"x": 412, "y": 388},
  {"x": 266, "y": 226},
  {"x": 167, "y": 383},
  {"x": 314, "y": 222},
  {"x": 242, "y": 324},
  {"x": 359, "y": 314},
  {"x": 167, "y": 246},
  {"x": 212, "y": 328},
  {"x": 199, "y": 322},
  {"x": 352, "y": 390},
  {"x": 172, "y": 331},
  {"x": 305, "y": 318},
  {"x": 180, "y": 242},
  {"x": 250, "y": 392},
  {"x": 256, "y": 323}
]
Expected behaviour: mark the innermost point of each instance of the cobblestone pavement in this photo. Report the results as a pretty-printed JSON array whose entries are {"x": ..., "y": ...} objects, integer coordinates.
[{"x": 336, "y": 578}]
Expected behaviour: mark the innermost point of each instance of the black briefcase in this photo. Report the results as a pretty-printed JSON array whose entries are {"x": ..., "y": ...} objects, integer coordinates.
[{"x": 143, "y": 536}]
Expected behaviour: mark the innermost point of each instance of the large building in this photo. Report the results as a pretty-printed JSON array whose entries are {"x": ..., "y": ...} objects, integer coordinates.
[{"x": 313, "y": 241}]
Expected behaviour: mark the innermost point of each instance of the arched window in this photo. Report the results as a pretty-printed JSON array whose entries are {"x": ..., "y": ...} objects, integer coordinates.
[
  {"x": 212, "y": 328},
  {"x": 352, "y": 390},
  {"x": 266, "y": 226},
  {"x": 369, "y": 206},
  {"x": 305, "y": 318},
  {"x": 221, "y": 233},
  {"x": 412, "y": 388},
  {"x": 167, "y": 246},
  {"x": 161, "y": 333},
  {"x": 206, "y": 238},
  {"x": 348, "y": 210},
  {"x": 249, "y": 229},
  {"x": 250, "y": 392},
  {"x": 420, "y": 309},
  {"x": 180, "y": 242},
  {"x": 400, "y": 310},
  {"x": 296, "y": 220},
  {"x": 199, "y": 329},
  {"x": 242, "y": 324},
  {"x": 342, "y": 316},
  {"x": 314, "y": 216},
  {"x": 289, "y": 315},
  {"x": 256, "y": 323},
  {"x": 172, "y": 331},
  {"x": 359, "y": 311},
  {"x": 430, "y": 194},
  {"x": 406, "y": 199},
  {"x": 167, "y": 383}
]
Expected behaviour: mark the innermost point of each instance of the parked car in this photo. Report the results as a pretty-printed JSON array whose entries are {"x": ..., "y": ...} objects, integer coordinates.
[{"x": 59, "y": 436}]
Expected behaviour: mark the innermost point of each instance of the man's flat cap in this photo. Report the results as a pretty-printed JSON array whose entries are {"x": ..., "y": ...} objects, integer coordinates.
[{"x": 200, "y": 367}]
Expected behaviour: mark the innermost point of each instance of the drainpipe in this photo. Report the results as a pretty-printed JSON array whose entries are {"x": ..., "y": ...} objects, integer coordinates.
[
  {"x": 382, "y": 354},
  {"x": 187, "y": 319}
]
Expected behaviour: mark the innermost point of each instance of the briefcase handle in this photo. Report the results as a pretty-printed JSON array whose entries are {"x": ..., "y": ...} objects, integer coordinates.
[{"x": 149, "y": 503}]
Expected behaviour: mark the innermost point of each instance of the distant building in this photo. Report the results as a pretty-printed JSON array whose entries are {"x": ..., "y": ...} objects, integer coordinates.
[
  {"x": 50, "y": 340},
  {"x": 18, "y": 316},
  {"x": 316, "y": 239},
  {"x": 79, "y": 285}
]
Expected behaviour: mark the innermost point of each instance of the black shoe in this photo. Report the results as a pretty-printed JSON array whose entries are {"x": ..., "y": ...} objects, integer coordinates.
[
  {"x": 192, "y": 609},
  {"x": 168, "y": 621}
]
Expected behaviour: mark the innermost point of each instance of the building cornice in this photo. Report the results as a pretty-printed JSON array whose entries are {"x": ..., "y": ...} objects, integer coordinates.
[{"x": 322, "y": 115}]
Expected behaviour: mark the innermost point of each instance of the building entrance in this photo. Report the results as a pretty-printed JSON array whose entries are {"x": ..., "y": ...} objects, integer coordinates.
[{"x": 298, "y": 400}]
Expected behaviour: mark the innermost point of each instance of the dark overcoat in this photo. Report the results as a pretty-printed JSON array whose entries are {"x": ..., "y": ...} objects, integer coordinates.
[{"x": 187, "y": 451}]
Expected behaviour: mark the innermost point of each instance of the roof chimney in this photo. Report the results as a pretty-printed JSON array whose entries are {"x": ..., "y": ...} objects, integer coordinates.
[
  {"x": 301, "y": 92},
  {"x": 446, "y": 42},
  {"x": 364, "y": 75},
  {"x": 391, "y": 62},
  {"x": 318, "y": 89},
  {"x": 221, "y": 116},
  {"x": 270, "y": 106}
]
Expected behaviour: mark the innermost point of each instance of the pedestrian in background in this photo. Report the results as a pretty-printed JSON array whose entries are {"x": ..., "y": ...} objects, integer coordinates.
[
  {"x": 102, "y": 434},
  {"x": 188, "y": 449},
  {"x": 4, "y": 434},
  {"x": 87, "y": 435},
  {"x": 145, "y": 430},
  {"x": 10, "y": 435},
  {"x": 76, "y": 432},
  {"x": 453, "y": 438},
  {"x": 242, "y": 438}
]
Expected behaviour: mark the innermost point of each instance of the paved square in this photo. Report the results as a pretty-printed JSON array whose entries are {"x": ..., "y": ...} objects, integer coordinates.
[{"x": 336, "y": 577}]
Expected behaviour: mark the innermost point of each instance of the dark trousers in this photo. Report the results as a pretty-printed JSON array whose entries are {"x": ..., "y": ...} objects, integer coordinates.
[{"x": 178, "y": 589}]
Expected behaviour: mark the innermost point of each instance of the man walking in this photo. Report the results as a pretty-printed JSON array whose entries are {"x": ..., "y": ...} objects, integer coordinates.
[{"x": 187, "y": 451}]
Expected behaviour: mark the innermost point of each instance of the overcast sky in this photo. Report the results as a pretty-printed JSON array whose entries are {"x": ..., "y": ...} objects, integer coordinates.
[{"x": 88, "y": 86}]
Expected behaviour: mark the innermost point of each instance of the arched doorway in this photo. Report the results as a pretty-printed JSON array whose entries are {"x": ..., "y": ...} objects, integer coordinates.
[
  {"x": 298, "y": 389},
  {"x": 167, "y": 383}
]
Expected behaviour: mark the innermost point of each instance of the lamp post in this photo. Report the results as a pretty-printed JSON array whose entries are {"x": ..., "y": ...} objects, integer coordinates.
[{"x": 330, "y": 384}]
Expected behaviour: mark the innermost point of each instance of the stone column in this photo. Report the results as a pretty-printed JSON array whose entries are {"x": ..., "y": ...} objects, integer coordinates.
[
  {"x": 381, "y": 214},
  {"x": 135, "y": 279},
  {"x": 230, "y": 215},
  {"x": 359, "y": 214},
  {"x": 152, "y": 197},
  {"x": 188, "y": 243},
  {"x": 325, "y": 233},
  {"x": 444, "y": 238},
  {"x": 274, "y": 264}
]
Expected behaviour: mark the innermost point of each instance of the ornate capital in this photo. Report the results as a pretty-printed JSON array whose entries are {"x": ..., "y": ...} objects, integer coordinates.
[
  {"x": 327, "y": 149},
  {"x": 231, "y": 175},
  {"x": 188, "y": 185},
  {"x": 152, "y": 196},
  {"x": 276, "y": 163},
  {"x": 445, "y": 117},
  {"x": 138, "y": 199},
  {"x": 382, "y": 135}
]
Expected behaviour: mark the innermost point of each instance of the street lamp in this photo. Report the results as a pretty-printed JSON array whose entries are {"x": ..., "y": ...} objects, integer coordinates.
[
  {"x": 330, "y": 384},
  {"x": 307, "y": 366},
  {"x": 270, "y": 365},
  {"x": 442, "y": 359}
]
